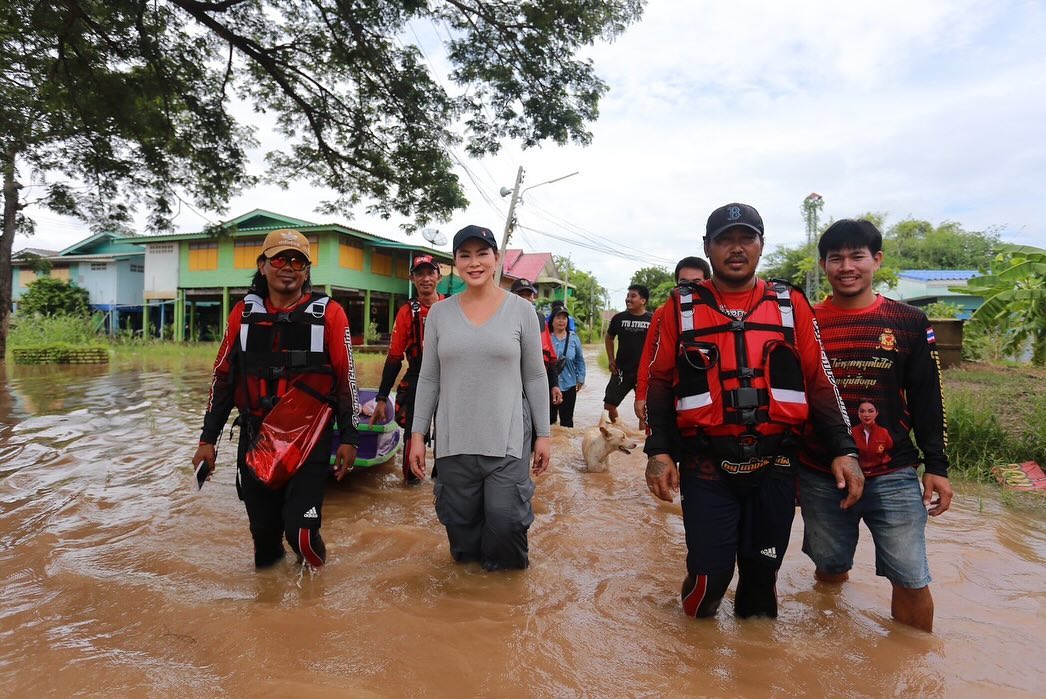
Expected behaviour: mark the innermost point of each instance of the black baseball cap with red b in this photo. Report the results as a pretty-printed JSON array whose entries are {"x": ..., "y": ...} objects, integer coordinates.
[
  {"x": 477, "y": 232},
  {"x": 732, "y": 216}
]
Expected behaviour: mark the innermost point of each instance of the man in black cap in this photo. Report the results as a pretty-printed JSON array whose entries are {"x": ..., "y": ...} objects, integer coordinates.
[
  {"x": 737, "y": 372},
  {"x": 408, "y": 334},
  {"x": 524, "y": 288}
]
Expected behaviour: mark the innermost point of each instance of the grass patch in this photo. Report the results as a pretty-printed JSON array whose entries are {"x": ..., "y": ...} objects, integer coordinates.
[{"x": 996, "y": 415}]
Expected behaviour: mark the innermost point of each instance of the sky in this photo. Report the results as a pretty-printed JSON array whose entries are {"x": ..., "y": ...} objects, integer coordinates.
[{"x": 933, "y": 109}]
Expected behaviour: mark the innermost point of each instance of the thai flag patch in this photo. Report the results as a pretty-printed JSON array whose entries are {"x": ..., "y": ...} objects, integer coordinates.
[{"x": 930, "y": 337}]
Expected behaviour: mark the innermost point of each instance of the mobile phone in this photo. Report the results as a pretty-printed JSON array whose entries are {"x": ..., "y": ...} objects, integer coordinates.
[{"x": 202, "y": 471}]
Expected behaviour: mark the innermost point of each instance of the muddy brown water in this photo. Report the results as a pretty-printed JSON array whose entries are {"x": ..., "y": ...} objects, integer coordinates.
[{"x": 119, "y": 580}]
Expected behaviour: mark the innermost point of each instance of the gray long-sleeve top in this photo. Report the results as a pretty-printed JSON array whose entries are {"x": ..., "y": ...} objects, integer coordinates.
[{"x": 479, "y": 376}]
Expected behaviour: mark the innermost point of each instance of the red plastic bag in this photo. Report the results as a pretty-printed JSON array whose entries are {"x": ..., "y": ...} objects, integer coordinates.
[{"x": 287, "y": 436}]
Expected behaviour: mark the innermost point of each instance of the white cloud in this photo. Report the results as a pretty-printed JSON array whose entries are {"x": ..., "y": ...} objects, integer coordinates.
[{"x": 933, "y": 109}]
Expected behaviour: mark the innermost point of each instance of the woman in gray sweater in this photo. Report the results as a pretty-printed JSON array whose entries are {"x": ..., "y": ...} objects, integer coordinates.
[{"x": 483, "y": 377}]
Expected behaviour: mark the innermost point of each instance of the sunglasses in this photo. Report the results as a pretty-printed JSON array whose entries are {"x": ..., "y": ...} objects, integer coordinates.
[{"x": 295, "y": 263}]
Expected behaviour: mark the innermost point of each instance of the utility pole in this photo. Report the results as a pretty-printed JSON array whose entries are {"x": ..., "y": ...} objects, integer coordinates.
[
  {"x": 566, "y": 286},
  {"x": 510, "y": 222},
  {"x": 811, "y": 207}
]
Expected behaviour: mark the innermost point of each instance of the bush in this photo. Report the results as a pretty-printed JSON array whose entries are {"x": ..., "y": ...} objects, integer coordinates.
[
  {"x": 48, "y": 296},
  {"x": 34, "y": 331}
]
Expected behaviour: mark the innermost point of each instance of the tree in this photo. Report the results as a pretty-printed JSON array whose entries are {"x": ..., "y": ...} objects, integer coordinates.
[
  {"x": 915, "y": 244},
  {"x": 110, "y": 105},
  {"x": 908, "y": 244},
  {"x": 1014, "y": 294},
  {"x": 658, "y": 280},
  {"x": 48, "y": 296},
  {"x": 590, "y": 298}
]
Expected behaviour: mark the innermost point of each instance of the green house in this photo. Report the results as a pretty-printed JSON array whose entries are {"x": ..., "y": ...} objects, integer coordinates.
[{"x": 193, "y": 279}]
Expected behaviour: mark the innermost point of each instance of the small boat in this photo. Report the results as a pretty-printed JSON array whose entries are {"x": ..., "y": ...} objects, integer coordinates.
[{"x": 378, "y": 443}]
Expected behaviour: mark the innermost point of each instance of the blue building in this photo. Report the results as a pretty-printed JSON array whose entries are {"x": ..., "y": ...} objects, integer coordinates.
[
  {"x": 110, "y": 267},
  {"x": 921, "y": 287}
]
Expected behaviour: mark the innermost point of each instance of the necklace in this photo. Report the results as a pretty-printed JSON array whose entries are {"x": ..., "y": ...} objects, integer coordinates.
[{"x": 747, "y": 306}]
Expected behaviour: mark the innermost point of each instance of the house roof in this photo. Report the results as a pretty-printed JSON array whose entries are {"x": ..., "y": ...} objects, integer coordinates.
[
  {"x": 525, "y": 265},
  {"x": 39, "y": 252},
  {"x": 938, "y": 275},
  {"x": 259, "y": 221}
]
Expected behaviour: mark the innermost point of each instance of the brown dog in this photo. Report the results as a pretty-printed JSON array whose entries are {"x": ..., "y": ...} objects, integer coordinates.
[{"x": 602, "y": 441}]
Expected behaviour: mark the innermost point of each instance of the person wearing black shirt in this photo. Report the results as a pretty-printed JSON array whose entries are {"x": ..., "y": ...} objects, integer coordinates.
[{"x": 630, "y": 328}]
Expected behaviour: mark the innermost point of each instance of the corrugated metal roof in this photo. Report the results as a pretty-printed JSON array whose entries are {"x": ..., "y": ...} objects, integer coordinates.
[{"x": 938, "y": 275}]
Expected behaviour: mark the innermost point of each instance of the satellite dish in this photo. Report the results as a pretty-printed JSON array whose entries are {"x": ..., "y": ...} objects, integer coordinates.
[{"x": 433, "y": 236}]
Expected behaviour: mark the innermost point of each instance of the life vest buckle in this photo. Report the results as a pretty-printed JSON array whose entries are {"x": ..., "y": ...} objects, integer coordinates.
[
  {"x": 748, "y": 446},
  {"x": 283, "y": 317},
  {"x": 737, "y": 326}
]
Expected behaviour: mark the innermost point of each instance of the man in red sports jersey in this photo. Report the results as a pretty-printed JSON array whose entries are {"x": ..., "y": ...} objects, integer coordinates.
[
  {"x": 885, "y": 351},
  {"x": 408, "y": 335}
]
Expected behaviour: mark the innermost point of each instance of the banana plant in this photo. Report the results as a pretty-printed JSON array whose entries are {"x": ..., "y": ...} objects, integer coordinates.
[{"x": 1014, "y": 293}]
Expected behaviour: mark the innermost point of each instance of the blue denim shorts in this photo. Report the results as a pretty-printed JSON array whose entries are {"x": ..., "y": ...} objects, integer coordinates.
[{"x": 892, "y": 508}]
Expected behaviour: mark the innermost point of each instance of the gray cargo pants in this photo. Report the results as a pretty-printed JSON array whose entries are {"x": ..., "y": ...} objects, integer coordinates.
[{"x": 484, "y": 503}]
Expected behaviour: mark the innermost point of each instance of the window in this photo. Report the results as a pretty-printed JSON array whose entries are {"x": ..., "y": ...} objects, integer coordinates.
[
  {"x": 380, "y": 263},
  {"x": 402, "y": 267},
  {"x": 26, "y": 277},
  {"x": 60, "y": 273},
  {"x": 203, "y": 256},
  {"x": 314, "y": 248},
  {"x": 137, "y": 267},
  {"x": 99, "y": 266},
  {"x": 161, "y": 248},
  {"x": 350, "y": 254},
  {"x": 245, "y": 252}
]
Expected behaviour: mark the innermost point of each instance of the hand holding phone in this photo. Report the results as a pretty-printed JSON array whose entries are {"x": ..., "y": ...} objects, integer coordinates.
[
  {"x": 203, "y": 463},
  {"x": 203, "y": 472}
]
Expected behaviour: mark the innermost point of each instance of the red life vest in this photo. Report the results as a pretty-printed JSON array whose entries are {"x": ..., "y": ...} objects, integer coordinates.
[
  {"x": 285, "y": 355},
  {"x": 280, "y": 349},
  {"x": 738, "y": 382}
]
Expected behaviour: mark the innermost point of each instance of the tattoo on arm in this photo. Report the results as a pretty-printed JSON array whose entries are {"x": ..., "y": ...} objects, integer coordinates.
[{"x": 655, "y": 468}]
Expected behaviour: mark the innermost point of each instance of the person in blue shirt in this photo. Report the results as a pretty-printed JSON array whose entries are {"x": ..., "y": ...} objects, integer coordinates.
[
  {"x": 571, "y": 365},
  {"x": 556, "y": 306}
]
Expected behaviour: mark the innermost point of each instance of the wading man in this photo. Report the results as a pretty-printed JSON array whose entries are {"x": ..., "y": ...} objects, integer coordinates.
[
  {"x": 408, "y": 334},
  {"x": 737, "y": 372},
  {"x": 630, "y": 327},
  {"x": 884, "y": 357},
  {"x": 286, "y": 364}
]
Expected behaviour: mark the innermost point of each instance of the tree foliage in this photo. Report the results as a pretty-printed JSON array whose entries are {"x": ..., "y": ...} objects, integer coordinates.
[
  {"x": 908, "y": 244},
  {"x": 1014, "y": 293},
  {"x": 111, "y": 105},
  {"x": 48, "y": 296},
  {"x": 658, "y": 279}
]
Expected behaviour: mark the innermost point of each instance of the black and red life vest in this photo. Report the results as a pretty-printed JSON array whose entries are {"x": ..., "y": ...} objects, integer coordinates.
[
  {"x": 739, "y": 381},
  {"x": 285, "y": 348}
]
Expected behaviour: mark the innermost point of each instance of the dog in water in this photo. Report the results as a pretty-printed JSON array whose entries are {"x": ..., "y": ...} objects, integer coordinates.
[{"x": 602, "y": 441}]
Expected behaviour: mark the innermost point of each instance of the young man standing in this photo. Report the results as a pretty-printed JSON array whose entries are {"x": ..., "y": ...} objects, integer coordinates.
[
  {"x": 283, "y": 340},
  {"x": 884, "y": 356},
  {"x": 738, "y": 370},
  {"x": 689, "y": 270},
  {"x": 630, "y": 328},
  {"x": 408, "y": 334}
]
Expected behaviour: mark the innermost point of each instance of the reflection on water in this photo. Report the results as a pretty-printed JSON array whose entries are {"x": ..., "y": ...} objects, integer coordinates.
[{"x": 119, "y": 579}]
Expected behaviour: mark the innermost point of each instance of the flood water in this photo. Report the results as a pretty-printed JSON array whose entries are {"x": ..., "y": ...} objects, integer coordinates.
[{"x": 119, "y": 580}]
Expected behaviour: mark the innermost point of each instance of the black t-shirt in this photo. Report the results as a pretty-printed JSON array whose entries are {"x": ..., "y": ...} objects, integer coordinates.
[{"x": 630, "y": 332}]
